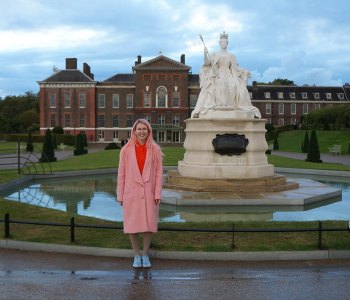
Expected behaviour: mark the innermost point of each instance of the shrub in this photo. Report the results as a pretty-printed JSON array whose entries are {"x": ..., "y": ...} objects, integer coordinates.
[
  {"x": 112, "y": 146},
  {"x": 313, "y": 154},
  {"x": 275, "y": 143},
  {"x": 48, "y": 153},
  {"x": 79, "y": 145},
  {"x": 305, "y": 144},
  {"x": 30, "y": 146},
  {"x": 58, "y": 130}
]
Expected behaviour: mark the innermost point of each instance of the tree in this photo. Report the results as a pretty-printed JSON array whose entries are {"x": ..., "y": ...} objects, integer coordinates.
[
  {"x": 313, "y": 154},
  {"x": 58, "y": 130},
  {"x": 80, "y": 144},
  {"x": 30, "y": 146},
  {"x": 275, "y": 142},
  {"x": 305, "y": 144},
  {"x": 280, "y": 81},
  {"x": 48, "y": 153}
]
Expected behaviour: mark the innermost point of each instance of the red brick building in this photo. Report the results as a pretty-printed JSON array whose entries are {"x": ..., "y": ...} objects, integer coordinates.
[{"x": 163, "y": 91}]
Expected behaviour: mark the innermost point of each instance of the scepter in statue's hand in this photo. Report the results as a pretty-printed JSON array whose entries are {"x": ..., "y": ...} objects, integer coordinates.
[{"x": 205, "y": 47}]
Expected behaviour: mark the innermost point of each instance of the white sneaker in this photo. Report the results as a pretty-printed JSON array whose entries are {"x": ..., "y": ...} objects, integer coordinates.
[
  {"x": 137, "y": 262},
  {"x": 145, "y": 261}
]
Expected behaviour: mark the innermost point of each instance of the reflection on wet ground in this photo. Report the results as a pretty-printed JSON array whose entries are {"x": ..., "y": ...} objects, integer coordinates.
[{"x": 95, "y": 196}]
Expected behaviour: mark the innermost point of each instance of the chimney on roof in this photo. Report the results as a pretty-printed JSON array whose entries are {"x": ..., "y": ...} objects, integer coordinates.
[
  {"x": 86, "y": 69},
  {"x": 71, "y": 63},
  {"x": 138, "y": 60},
  {"x": 92, "y": 76},
  {"x": 182, "y": 59}
]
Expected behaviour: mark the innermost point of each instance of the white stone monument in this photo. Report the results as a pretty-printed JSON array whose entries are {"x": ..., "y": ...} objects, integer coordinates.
[{"x": 224, "y": 111}]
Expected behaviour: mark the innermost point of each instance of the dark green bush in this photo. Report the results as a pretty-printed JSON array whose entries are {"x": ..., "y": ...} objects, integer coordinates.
[{"x": 112, "y": 146}]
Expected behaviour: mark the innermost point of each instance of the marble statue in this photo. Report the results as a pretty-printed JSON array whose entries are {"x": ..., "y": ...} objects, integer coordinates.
[{"x": 223, "y": 83}]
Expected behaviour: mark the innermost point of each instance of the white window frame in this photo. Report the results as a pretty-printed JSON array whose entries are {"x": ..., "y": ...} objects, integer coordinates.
[
  {"x": 166, "y": 97},
  {"x": 267, "y": 95},
  {"x": 67, "y": 100},
  {"x": 193, "y": 100},
  {"x": 147, "y": 99},
  {"x": 293, "y": 108},
  {"x": 161, "y": 136},
  {"x": 176, "y": 136},
  {"x": 178, "y": 100},
  {"x": 176, "y": 120},
  {"x": 280, "y": 95},
  {"x": 129, "y": 100},
  {"x": 101, "y": 100},
  {"x": 317, "y": 95},
  {"x": 161, "y": 119},
  {"x": 305, "y": 108},
  {"x": 304, "y": 95},
  {"x": 115, "y": 101},
  {"x": 341, "y": 96},
  {"x": 329, "y": 96},
  {"x": 292, "y": 95},
  {"x": 148, "y": 117},
  {"x": 115, "y": 117},
  {"x": 317, "y": 106},
  {"x": 82, "y": 120},
  {"x": 52, "y": 100},
  {"x": 268, "y": 108},
  {"x": 82, "y": 100},
  {"x": 280, "y": 121},
  {"x": 281, "y": 108}
]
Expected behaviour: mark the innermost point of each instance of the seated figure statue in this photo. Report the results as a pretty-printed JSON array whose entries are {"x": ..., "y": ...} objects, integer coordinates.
[{"x": 223, "y": 83}]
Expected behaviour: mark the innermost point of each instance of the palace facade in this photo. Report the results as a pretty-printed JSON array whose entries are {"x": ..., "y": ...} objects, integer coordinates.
[{"x": 163, "y": 91}]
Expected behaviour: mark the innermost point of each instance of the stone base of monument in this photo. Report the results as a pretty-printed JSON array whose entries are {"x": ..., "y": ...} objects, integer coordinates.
[{"x": 274, "y": 183}]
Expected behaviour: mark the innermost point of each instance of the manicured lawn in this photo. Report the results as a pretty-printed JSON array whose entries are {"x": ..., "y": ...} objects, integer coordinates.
[{"x": 170, "y": 240}]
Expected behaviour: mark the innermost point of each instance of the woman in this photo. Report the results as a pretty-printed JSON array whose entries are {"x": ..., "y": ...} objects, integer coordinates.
[
  {"x": 139, "y": 188},
  {"x": 223, "y": 83}
]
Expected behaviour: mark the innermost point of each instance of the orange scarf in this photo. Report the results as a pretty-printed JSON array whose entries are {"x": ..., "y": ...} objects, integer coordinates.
[{"x": 141, "y": 151}]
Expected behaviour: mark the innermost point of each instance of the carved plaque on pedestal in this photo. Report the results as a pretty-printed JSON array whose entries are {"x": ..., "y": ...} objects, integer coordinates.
[{"x": 230, "y": 144}]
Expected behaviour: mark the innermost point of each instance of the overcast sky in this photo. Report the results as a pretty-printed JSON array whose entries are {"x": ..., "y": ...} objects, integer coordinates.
[{"x": 307, "y": 41}]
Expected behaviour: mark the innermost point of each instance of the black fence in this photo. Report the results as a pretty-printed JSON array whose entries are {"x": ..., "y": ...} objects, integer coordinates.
[{"x": 72, "y": 225}]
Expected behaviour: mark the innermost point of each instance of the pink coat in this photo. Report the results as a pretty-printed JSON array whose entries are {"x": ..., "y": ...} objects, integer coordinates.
[{"x": 138, "y": 192}]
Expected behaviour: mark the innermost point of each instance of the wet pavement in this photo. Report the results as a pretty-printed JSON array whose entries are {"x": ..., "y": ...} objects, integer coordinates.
[{"x": 38, "y": 275}]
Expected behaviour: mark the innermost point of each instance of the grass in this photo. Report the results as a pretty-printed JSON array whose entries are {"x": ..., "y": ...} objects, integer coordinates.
[
  {"x": 186, "y": 241},
  {"x": 290, "y": 141},
  {"x": 166, "y": 240}
]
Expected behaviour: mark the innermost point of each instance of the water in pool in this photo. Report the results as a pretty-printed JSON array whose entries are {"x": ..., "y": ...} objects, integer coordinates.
[{"x": 94, "y": 196}]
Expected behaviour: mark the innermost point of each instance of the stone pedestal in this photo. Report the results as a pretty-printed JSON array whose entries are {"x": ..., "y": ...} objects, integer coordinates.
[{"x": 201, "y": 160}]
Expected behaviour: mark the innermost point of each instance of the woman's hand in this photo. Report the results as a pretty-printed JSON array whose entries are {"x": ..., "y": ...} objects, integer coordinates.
[{"x": 157, "y": 201}]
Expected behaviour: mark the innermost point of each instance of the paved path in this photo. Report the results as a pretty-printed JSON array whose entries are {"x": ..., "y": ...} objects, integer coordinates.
[
  {"x": 338, "y": 159},
  {"x": 35, "y": 275}
]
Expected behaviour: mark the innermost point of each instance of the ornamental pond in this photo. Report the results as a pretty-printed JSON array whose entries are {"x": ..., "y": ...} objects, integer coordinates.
[{"x": 94, "y": 196}]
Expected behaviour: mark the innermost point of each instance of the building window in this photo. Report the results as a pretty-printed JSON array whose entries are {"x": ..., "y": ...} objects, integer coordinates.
[
  {"x": 317, "y": 95},
  {"x": 115, "y": 121},
  {"x": 176, "y": 99},
  {"x": 281, "y": 108},
  {"x": 52, "y": 120},
  {"x": 176, "y": 137},
  {"x": 147, "y": 99},
  {"x": 115, "y": 135},
  {"x": 193, "y": 100},
  {"x": 176, "y": 120},
  {"x": 52, "y": 100},
  {"x": 161, "y": 119},
  {"x": 67, "y": 120},
  {"x": 101, "y": 101},
  {"x": 305, "y": 108},
  {"x": 129, "y": 121},
  {"x": 67, "y": 100},
  {"x": 293, "y": 121},
  {"x": 129, "y": 101},
  {"x": 292, "y": 95},
  {"x": 82, "y": 121},
  {"x": 317, "y": 105},
  {"x": 267, "y": 95},
  {"x": 162, "y": 97},
  {"x": 148, "y": 118},
  {"x": 101, "y": 120},
  {"x": 268, "y": 108},
  {"x": 328, "y": 96},
  {"x": 280, "y": 95},
  {"x": 293, "y": 108},
  {"x": 115, "y": 100},
  {"x": 161, "y": 137},
  {"x": 341, "y": 96},
  {"x": 82, "y": 100},
  {"x": 280, "y": 121},
  {"x": 304, "y": 95}
]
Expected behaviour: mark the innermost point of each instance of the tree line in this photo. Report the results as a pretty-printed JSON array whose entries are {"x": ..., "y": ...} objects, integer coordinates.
[{"x": 19, "y": 114}]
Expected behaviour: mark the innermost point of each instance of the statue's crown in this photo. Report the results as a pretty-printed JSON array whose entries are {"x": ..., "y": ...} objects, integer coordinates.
[{"x": 224, "y": 35}]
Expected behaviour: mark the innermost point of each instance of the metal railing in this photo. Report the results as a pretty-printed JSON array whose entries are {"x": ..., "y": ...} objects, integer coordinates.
[{"x": 72, "y": 225}]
